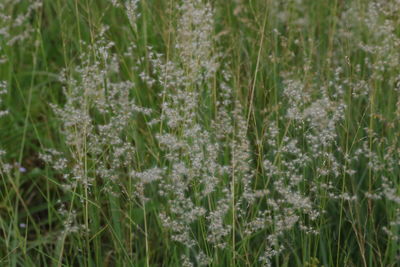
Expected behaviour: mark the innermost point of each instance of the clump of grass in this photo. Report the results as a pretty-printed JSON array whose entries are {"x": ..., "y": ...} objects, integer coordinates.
[{"x": 199, "y": 133}]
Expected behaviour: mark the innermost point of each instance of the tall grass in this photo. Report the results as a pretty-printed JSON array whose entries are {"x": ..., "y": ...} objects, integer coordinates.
[{"x": 199, "y": 133}]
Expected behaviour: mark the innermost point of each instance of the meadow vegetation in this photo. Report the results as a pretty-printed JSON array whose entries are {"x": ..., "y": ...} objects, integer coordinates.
[{"x": 200, "y": 133}]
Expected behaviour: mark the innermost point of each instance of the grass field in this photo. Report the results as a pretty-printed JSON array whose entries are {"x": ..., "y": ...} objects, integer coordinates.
[{"x": 200, "y": 133}]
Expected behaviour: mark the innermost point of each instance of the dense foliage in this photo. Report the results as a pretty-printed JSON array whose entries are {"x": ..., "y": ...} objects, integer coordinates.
[{"x": 199, "y": 133}]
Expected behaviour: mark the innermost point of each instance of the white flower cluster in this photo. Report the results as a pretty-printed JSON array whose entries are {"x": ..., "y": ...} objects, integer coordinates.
[
  {"x": 3, "y": 91},
  {"x": 96, "y": 122},
  {"x": 17, "y": 28}
]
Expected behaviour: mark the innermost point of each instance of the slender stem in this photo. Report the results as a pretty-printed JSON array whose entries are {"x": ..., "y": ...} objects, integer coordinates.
[
  {"x": 146, "y": 237},
  {"x": 233, "y": 209}
]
